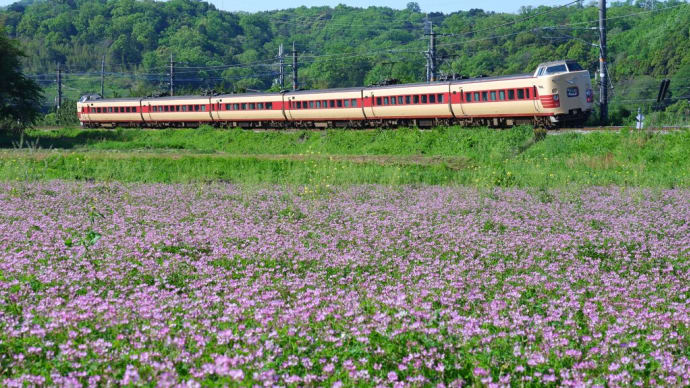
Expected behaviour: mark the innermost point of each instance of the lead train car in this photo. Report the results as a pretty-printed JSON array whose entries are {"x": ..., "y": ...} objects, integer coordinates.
[{"x": 558, "y": 93}]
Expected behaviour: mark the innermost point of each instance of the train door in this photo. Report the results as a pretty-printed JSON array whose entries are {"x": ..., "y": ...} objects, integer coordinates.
[
  {"x": 141, "y": 111},
  {"x": 369, "y": 105},
  {"x": 535, "y": 98},
  {"x": 86, "y": 113},
  {"x": 147, "y": 116},
  {"x": 287, "y": 108},
  {"x": 215, "y": 110},
  {"x": 210, "y": 108},
  {"x": 456, "y": 107}
]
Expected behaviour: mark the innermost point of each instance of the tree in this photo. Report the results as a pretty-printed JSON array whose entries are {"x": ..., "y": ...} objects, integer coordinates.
[
  {"x": 20, "y": 97},
  {"x": 413, "y": 6}
]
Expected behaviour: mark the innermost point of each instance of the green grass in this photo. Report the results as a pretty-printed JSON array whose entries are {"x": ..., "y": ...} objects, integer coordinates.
[{"x": 477, "y": 157}]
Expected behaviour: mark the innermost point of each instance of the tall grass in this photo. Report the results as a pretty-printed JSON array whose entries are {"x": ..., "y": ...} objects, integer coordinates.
[{"x": 477, "y": 157}]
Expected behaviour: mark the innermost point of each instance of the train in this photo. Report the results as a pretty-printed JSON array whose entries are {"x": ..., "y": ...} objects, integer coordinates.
[{"x": 557, "y": 94}]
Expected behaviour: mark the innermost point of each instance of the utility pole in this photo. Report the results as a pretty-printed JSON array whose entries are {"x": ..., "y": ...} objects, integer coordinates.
[
  {"x": 102, "y": 75},
  {"x": 172, "y": 75},
  {"x": 603, "y": 74},
  {"x": 281, "y": 59},
  {"x": 431, "y": 53},
  {"x": 59, "y": 86},
  {"x": 294, "y": 67}
]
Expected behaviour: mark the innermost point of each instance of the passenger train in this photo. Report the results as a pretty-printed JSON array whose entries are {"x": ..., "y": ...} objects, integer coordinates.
[{"x": 557, "y": 94}]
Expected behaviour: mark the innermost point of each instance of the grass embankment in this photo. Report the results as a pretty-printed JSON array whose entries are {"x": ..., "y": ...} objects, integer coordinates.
[{"x": 478, "y": 157}]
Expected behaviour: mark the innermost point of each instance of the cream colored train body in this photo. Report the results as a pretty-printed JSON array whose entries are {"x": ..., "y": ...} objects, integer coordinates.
[{"x": 558, "y": 93}]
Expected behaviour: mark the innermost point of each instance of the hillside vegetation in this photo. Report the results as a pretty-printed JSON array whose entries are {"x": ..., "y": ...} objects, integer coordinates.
[{"x": 341, "y": 46}]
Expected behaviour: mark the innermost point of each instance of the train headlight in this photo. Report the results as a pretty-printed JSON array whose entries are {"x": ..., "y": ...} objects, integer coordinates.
[
  {"x": 590, "y": 95},
  {"x": 555, "y": 97}
]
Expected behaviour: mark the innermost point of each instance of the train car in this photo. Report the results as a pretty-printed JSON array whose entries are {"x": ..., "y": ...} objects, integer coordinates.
[
  {"x": 325, "y": 108},
  {"x": 558, "y": 93},
  {"x": 182, "y": 111},
  {"x": 97, "y": 112},
  {"x": 423, "y": 105},
  {"x": 256, "y": 110}
]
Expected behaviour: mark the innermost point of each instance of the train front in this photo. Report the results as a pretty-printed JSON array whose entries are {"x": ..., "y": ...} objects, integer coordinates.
[{"x": 565, "y": 91}]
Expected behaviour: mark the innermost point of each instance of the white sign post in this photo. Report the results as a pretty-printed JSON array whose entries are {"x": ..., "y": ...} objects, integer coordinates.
[{"x": 640, "y": 119}]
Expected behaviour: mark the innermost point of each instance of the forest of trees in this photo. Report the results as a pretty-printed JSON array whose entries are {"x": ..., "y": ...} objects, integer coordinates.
[{"x": 341, "y": 46}]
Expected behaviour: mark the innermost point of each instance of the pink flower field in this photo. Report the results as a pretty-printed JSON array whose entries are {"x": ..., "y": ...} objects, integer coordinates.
[{"x": 222, "y": 285}]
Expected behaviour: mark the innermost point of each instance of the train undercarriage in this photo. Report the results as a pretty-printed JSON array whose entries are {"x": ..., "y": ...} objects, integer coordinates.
[{"x": 575, "y": 118}]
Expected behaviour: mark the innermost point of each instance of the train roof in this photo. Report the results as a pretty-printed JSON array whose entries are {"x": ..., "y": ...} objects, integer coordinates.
[
  {"x": 559, "y": 62},
  {"x": 397, "y": 86},
  {"x": 96, "y": 98}
]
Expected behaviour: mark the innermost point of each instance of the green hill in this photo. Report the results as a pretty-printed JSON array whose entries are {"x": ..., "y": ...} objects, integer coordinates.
[{"x": 341, "y": 46}]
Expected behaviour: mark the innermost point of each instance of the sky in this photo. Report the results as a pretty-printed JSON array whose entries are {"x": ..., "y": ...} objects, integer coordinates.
[{"x": 445, "y": 6}]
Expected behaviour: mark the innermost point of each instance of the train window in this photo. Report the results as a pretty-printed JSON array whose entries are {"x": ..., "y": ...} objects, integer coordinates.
[
  {"x": 184, "y": 108},
  {"x": 339, "y": 103},
  {"x": 98, "y": 110},
  {"x": 318, "y": 104},
  {"x": 228, "y": 106},
  {"x": 521, "y": 94},
  {"x": 468, "y": 97},
  {"x": 485, "y": 96},
  {"x": 423, "y": 98},
  {"x": 269, "y": 105},
  {"x": 527, "y": 93},
  {"x": 252, "y": 106},
  {"x": 432, "y": 98},
  {"x": 400, "y": 100},
  {"x": 493, "y": 95},
  {"x": 415, "y": 99},
  {"x": 165, "y": 108},
  {"x": 235, "y": 106},
  {"x": 347, "y": 103},
  {"x": 203, "y": 108},
  {"x": 555, "y": 69},
  {"x": 331, "y": 104},
  {"x": 385, "y": 101},
  {"x": 110, "y": 109},
  {"x": 311, "y": 104},
  {"x": 407, "y": 100},
  {"x": 501, "y": 95},
  {"x": 476, "y": 97},
  {"x": 378, "y": 100},
  {"x": 325, "y": 104},
  {"x": 393, "y": 99},
  {"x": 260, "y": 105},
  {"x": 354, "y": 103},
  {"x": 177, "y": 108},
  {"x": 511, "y": 94},
  {"x": 440, "y": 98},
  {"x": 190, "y": 107},
  {"x": 574, "y": 66}
]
